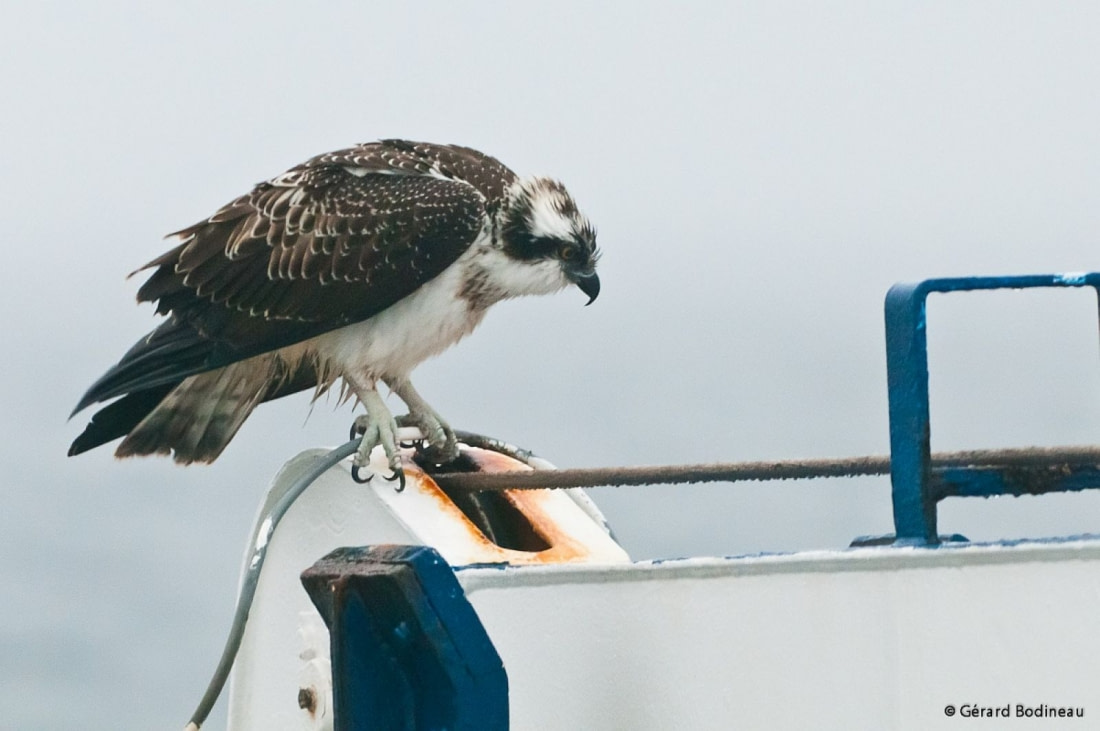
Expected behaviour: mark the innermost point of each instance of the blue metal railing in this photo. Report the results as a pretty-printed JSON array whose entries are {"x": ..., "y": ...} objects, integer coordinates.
[{"x": 916, "y": 487}]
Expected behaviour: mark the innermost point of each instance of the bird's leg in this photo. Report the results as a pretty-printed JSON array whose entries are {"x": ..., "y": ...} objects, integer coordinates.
[
  {"x": 441, "y": 443},
  {"x": 377, "y": 427}
]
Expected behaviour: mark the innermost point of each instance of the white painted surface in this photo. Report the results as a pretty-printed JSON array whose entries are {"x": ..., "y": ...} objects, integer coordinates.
[{"x": 871, "y": 639}]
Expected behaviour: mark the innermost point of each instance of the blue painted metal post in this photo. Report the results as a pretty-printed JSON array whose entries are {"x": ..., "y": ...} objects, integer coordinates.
[
  {"x": 907, "y": 376},
  {"x": 910, "y": 427},
  {"x": 408, "y": 650}
]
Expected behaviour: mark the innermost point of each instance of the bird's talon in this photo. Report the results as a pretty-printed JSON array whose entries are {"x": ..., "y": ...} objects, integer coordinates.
[
  {"x": 398, "y": 475},
  {"x": 355, "y": 475}
]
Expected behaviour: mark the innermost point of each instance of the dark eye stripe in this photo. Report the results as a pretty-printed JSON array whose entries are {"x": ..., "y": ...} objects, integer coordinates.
[{"x": 526, "y": 246}]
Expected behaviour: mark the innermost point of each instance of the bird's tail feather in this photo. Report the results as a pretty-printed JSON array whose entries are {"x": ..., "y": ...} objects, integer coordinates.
[
  {"x": 136, "y": 409},
  {"x": 118, "y": 418},
  {"x": 196, "y": 420}
]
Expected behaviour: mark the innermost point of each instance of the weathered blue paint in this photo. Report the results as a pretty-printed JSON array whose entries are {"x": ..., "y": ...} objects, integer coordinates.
[
  {"x": 916, "y": 490},
  {"x": 987, "y": 481},
  {"x": 1072, "y": 279},
  {"x": 408, "y": 650}
]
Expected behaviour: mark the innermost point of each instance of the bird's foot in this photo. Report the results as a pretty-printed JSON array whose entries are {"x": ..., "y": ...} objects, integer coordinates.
[
  {"x": 439, "y": 444},
  {"x": 377, "y": 432}
]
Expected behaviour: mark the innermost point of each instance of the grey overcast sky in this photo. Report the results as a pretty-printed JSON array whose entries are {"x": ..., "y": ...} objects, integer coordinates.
[{"x": 760, "y": 174}]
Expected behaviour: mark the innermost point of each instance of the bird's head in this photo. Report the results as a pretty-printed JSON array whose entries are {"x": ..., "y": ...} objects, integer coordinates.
[{"x": 542, "y": 228}]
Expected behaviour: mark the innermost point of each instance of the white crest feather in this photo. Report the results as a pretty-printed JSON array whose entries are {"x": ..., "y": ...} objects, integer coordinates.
[{"x": 549, "y": 214}]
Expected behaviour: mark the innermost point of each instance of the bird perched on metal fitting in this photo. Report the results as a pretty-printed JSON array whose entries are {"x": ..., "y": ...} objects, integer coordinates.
[{"x": 353, "y": 266}]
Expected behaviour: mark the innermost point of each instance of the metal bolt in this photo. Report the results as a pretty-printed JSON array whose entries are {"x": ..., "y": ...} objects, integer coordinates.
[{"x": 307, "y": 699}]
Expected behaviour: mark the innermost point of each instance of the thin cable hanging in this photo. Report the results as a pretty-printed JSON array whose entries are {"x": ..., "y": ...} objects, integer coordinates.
[{"x": 260, "y": 539}]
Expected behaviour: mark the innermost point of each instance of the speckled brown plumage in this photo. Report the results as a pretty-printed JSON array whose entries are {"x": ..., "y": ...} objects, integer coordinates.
[
  {"x": 335, "y": 241},
  {"x": 390, "y": 214}
]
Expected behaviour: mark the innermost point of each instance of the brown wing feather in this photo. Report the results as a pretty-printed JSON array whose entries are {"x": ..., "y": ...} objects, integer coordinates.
[{"x": 319, "y": 245}]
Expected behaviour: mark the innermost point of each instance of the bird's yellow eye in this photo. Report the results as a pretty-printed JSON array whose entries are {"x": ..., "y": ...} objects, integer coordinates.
[{"x": 567, "y": 252}]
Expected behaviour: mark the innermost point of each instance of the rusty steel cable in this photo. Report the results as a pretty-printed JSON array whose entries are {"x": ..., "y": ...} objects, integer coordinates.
[{"x": 1029, "y": 457}]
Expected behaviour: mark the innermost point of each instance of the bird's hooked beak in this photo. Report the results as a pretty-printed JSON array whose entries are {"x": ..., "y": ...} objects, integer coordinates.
[{"x": 589, "y": 283}]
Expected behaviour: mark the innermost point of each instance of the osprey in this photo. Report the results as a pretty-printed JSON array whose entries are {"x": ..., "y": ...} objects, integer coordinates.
[{"x": 354, "y": 266}]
